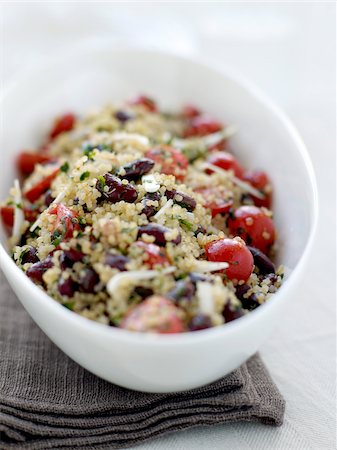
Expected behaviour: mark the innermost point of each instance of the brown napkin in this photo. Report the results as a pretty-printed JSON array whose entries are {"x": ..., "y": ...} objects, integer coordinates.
[{"x": 48, "y": 401}]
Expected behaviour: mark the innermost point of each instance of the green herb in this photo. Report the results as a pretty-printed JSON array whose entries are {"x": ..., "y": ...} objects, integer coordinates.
[
  {"x": 22, "y": 254},
  {"x": 186, "y": 224},
  {"x": 56, "y": 238},
  {"x": 35, "y": 233},
  {"x": 78, "y": 247},
  {"x": 10, "y": 202},
  {"x": 194, "y": 152},
  {"x": 81, "y": 220},
  {"x": 65, "y": 167},
  {"x": 69, "y": 305},
  {"x": 84, "y": 175},
  {"x": 18, "y": 205},
  {"x": 101, "y": 182}
]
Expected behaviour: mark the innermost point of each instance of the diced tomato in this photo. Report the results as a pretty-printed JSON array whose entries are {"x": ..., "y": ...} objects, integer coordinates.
[
  {"x": 214, "y": 197},
  {"x": 260, "y": 180},
  {"x": 145, "y": 101},
  {"x": 225, "y": 161},
  {"x": 154, "y": 314},
  {"x": 66, "y": 222},
  {"x": 7, "y": 215},
  {"x": 62, "y": 124},
  {"x": 253, "y": 226},
  {"x": 201, "y": 126},
  {"x": 42, "y": 186},
  {"x": 190, "y": 111},
  {"x": 155, "y": 255},
  {"x": 26, "y": 161},
  {"x": 235, "y": 253},
  {"x": 219, "y": 146},
  {"x": 170, "y": 160}
]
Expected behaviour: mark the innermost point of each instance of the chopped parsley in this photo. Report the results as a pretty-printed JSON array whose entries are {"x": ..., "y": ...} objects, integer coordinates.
[
  {"x": 56, "y": 238},
  {"x": 65, "y": 167},
  {"x": 69, "y": 305},
  {"x": 84, "y": 175},
  {"x": 35, "y": 233},
  {"x": 188, "y": 226},
  {"x": 101, "y": 182}
]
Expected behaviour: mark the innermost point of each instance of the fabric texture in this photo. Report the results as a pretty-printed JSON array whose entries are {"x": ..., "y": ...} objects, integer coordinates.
[{"x": 48, "y": 401}]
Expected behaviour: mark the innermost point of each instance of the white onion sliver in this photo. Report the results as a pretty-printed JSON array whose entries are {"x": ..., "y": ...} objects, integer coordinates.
[
  {"x": 122, "y": 136},
  {"x": 242, "y": 184},
  {"x": 19, "y": 216},
  {"x": 205, "y": 297},
  {"x": 209, "y": 266},
  {"x": 134, "y": 275},
  {"x": 162, "y": 210}
]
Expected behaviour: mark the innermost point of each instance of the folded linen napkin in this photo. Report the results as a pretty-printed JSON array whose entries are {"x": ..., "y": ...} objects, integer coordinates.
[{"x": 48, "y": 401}]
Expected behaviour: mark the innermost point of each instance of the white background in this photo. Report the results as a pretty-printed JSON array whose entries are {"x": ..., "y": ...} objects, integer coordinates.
[{"x": 288, "y": 49}]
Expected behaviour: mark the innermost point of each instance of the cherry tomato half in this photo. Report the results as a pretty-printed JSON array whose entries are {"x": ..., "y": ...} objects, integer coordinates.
[
  {"x": 155, "y": 255},
  {"x": 66, "y": 222},
  {"x": 260, "y": 180},
  {"x": 7, "y": 215},
  {"x": 253, "y": 226},
  {"x": 156, "y": 314},
  {"x": 62, "y": 124},
  {"x": 26, "y": 161},
  {"x": 145, "y": 101},
  {"x": 235, "y": 253},
  {"x": 170, "y": 160},
  {"x": 190, "y": 111},
  {"x": 201, "y": 126},
  {"x": 215, "y": 200},
  {"x": 225, "y": 161},
  {"x": 42, "y": 186}
]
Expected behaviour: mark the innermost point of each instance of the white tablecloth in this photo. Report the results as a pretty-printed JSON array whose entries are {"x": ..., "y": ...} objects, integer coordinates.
[{"x": 288, "y": 49}]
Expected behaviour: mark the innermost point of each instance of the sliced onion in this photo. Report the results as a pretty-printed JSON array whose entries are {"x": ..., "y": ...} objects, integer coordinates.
[
  {"x": 205, "y": 297},
  {"x": 132, "y": 137},
  {"x": 202, "y": 266},
  {"x": 242, "y": 184},
  {"x": 162, "y": 210},
  {"x": 19, "y": 216},
  {"x": 133, "y": 276}
]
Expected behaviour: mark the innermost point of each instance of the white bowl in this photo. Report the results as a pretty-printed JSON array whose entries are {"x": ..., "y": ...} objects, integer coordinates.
[{"x": 266, "y": 140}]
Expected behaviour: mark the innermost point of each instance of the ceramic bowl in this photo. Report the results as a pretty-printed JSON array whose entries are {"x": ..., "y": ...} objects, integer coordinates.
[{"x": 266, "y": 139}]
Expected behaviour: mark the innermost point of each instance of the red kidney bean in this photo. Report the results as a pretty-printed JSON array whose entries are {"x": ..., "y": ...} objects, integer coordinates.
[
  {"x": 262, "y": 261},
  {"x": 29, "y": 256},
  {"x": 48, "y": 198},
  {"x": 158, "y": 232},
  {"x": 69, "y": 257},
  {"x": 36, "y": 271},
  {"x": 143, "y": 292},
  {"x": 116, "y": 261},
  {"x": 117, "y": 191},
  {"x": 182, "y": 289},
  {"x": 67, "y": 287},
  {"x": 241, "y": 290},
  {"x": 187, "y": 201},
  {"x": 200, "y": 322},
  {"x": 137, "y": 169},
  {"x": 231, "y": 313},
  {"x": 150, "y": 210},
  {"x": 88, "y": 280},
  {"x": 250, "y": 303},
  {"x": 123, "y": 116}
]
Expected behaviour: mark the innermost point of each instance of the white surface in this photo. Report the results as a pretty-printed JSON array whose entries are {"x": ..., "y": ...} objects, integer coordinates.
[
  {"x": 147, "y": 362},
  {"x": 289, "y": 50}
]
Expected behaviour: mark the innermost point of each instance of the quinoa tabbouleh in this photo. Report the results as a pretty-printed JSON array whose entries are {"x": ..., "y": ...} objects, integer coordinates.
[{"x": 144, "y": 220}]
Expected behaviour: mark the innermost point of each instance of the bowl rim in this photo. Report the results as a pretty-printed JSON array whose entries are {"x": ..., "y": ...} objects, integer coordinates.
[{"x": 139, "y": 338}]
